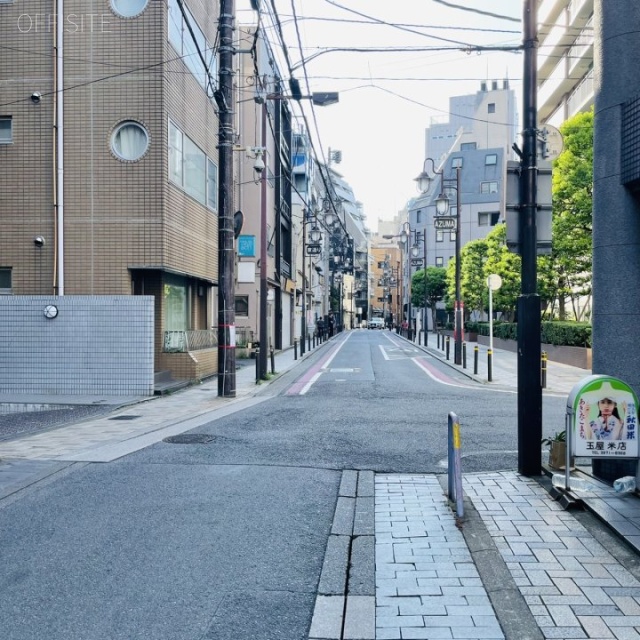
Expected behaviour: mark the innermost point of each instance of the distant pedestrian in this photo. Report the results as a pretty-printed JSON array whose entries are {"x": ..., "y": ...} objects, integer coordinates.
[{"x": 332, "y": 325}]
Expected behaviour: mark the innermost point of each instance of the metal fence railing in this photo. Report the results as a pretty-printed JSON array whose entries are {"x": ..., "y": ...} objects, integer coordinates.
[{"x": 183, "y": 341}]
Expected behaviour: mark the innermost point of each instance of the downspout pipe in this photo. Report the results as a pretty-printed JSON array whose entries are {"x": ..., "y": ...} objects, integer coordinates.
[{"x": 60, "y": 146}]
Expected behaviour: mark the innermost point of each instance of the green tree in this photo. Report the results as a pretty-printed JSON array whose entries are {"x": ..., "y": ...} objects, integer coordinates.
[
  {"x": 430, "y": 291},
  {"x": 572, "y": 212},
  {"x": 505, "y": 264}
]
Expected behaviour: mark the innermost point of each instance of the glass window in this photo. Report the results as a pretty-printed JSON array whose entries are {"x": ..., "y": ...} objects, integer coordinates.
[
  {"x": 439, "y": 261},
  {"x": 5, "y": 280},
  {"x": 491, "y": 107},
  {"x": 456, "y": 162},
  {"x": 439, "y": 236},
  {"x": 175, "y": 298},
  {"x": 175, "y": 154},
  {"x": 195, "y": 183},
  {"x": 129, "y": 8},
  {"x": 452, "y": 236},
  {"x": 468, "y": 146},
  {"x": 491, "y": 159},
  {"x": 130, "y": 141},
  {"x": 488, "y": 187},
  {"x": 242, "y": 305},
  {"x": 187, "y": 45},
  {"x": 6, "y": 130},
  {"x": 418, "y": 216},
  {"x": 488, "y": 218},
  {"x": 175, "y": 25},
  {"x": 212, "y": 185}
]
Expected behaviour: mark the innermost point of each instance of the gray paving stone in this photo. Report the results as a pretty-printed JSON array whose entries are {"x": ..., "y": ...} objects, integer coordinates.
[
  {"x": 343, "y": 517},
  {"x": 327, "y": 618},
  {"x": 365, "y": 484},
  {"x": 360, "y": 618},
  {"x": 568, "y": 633},
  {"x": 348, "y": 484},
  {"x": 333, "y": 577}
]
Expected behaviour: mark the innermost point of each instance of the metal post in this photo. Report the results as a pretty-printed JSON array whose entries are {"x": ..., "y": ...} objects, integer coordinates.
[
  {"x": 264, "y": 256},
  {"x": 529, "y": 382},
  {"x": 226, "y": 254},
  {"x": 309, "y": 341},
  {"x": 438, "y": 339},
  {"x": 303, "y": 323},
  {"x": 273, "y": 360},
  {"x": 295, "y": 349},
  {"x": 447, "y": 341},
  {"x": 455, "y": 464},
  {"x": 490, "y": 366},
  {"x": 425, "y": 321},
  {"x": 464, "y": 355},
  {"x": 475, "y": 359},
  {"x": 544, "y": 369},
  {"x": 258, "y": 377},
  {"x": 459, "y": 309}
]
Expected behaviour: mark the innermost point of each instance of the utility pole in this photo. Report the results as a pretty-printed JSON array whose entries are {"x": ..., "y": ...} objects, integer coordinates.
[
  {"x": 529, "y": 383},
  {"x": 226, "y": 253}
]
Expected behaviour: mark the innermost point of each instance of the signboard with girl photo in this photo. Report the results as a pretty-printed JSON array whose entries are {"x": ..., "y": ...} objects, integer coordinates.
[{"x": 605, "y": 418}]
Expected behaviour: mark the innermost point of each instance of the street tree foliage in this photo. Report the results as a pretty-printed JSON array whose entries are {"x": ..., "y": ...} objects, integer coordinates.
[
  {"x": 572, "y": 189},
  {"x": 432, "y": 289},
  {"x": 483, "y": 257}
]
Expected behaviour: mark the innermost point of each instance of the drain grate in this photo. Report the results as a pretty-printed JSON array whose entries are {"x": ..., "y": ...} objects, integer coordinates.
[
  {"x": 125, "y": 417},
  {"x": 189, "y": 438}
]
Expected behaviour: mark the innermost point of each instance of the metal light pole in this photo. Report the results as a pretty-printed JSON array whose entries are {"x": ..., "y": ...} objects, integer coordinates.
[
  {"x": 529, "y": 380},
  {"x": 424, "y": 181},
  {"x": 459, "y": 316},
  {"x": 406, "y": 237},
  {"x": 303, "y": 321},
  {"x": 264, "y": 257},
  {"x": 425, "y": 322}
]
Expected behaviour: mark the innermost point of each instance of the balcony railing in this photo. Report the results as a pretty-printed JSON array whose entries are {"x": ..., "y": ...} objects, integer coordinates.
[{"x": 183, "y": 341}]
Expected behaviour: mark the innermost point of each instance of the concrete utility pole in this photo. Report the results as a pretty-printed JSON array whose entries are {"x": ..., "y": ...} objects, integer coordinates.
[
  {"x": 226, "y": 253},
  {"x": 529, "y": 382}
]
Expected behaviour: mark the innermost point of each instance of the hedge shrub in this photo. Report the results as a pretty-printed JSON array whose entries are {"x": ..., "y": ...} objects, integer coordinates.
[{"x": 568, "y": 334}]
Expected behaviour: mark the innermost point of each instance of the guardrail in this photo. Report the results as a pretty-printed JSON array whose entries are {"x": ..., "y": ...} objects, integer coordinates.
[{"x": 454, "y": 467}]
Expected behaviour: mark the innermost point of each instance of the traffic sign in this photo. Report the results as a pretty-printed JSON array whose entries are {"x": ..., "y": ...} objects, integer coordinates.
[
  {"x": 445, "y": 222},
  {"x": 313, "y": 249}
]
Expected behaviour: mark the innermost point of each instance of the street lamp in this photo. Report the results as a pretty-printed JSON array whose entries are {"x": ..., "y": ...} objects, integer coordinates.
[
  {"x": 405, "y": 234},
  {"x": 424, "y": 181},
  {"x": 310, "y": 247}
]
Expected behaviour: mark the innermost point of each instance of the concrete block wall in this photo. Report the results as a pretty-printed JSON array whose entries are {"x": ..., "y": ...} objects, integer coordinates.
[{"x": 97, "y": 345}]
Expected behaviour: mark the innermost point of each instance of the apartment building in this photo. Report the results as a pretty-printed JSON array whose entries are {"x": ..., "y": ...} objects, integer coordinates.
[
  {"x": 109, "y": 161},
  {"x": 565, "y": 59}
]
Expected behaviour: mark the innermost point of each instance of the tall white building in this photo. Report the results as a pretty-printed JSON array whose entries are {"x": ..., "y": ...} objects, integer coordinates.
[
  {"x": 487, "y": 118},
  {"x": 565, "y": 59}
]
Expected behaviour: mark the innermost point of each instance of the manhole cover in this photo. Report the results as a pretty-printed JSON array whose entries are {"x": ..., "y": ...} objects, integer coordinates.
[
  {"x": 189, "y": 438},
  {"x": 124, "y": 417}
]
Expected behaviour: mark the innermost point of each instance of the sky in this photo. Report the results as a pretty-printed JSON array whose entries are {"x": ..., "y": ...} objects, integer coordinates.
[{"x": 388, "y": 99}]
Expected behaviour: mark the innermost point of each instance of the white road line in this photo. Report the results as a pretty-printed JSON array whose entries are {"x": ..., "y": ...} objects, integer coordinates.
[
  {"x": 310, "y": 383},
  {"x": 384, "y": 352}
]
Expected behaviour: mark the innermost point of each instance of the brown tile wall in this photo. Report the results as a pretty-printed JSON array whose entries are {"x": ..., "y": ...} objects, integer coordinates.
[
  {"x": 117, "y": 215},
  {"x": 26, "y": 181}
]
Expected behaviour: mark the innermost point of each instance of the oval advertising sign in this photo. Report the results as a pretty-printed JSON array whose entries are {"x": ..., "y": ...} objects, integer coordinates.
[{"x": 604, "y": 413}]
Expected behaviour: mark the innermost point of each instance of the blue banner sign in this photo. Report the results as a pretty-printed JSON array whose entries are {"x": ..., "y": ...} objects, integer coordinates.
[{"x": 247, "y": 246}]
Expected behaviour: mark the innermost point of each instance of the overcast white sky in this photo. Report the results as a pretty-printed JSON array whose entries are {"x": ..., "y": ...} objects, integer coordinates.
[{"x": 388, "y": 99}]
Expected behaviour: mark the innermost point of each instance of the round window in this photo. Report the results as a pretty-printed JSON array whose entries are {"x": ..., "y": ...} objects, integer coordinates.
[
  {"x": 129, "y": 8},
  {"x": 130, "y": 141}
]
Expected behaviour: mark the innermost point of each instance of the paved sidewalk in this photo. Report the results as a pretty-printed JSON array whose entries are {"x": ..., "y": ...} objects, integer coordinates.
[{"x": 552, "y": 578}]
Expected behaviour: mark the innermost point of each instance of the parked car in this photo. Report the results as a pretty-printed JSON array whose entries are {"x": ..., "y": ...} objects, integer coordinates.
[{"x": 376, "y": 323}]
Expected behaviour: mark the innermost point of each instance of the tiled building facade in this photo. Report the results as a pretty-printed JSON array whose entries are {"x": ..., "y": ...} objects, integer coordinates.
[{"x": 136, "y": 211}]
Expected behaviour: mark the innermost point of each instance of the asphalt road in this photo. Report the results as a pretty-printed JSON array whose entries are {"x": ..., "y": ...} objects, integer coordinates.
[{"x": 226, "y": 539}]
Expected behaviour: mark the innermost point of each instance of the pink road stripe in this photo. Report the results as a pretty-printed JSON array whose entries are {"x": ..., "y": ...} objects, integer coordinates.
[
  {"x": 297, "y": 387},
  {"x": 435, "y": 373}
]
